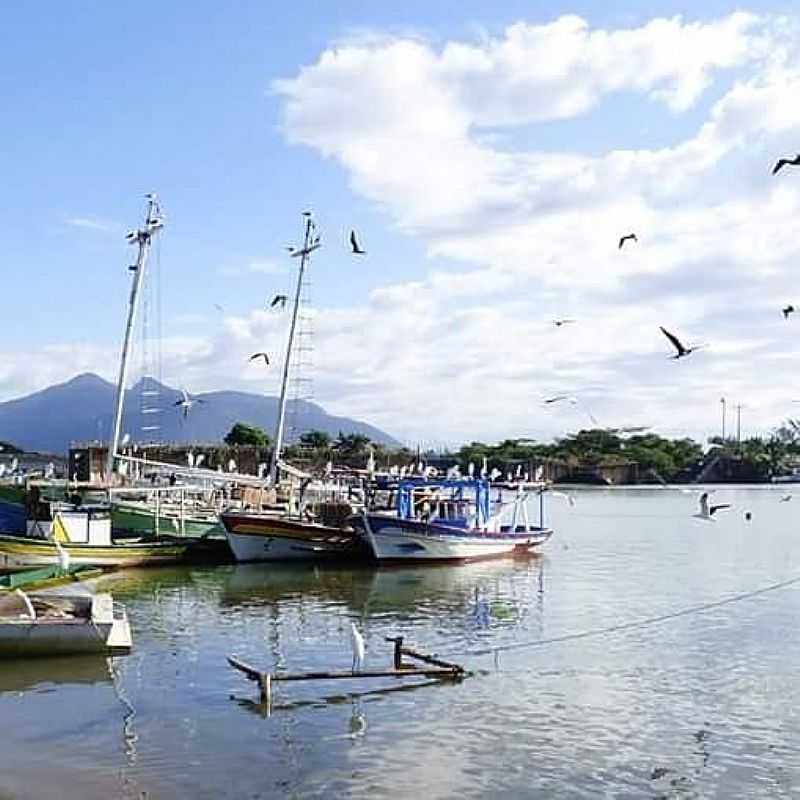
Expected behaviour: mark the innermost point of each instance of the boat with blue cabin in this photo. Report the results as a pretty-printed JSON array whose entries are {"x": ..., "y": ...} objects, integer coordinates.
[{"x": 432, "y": 520}]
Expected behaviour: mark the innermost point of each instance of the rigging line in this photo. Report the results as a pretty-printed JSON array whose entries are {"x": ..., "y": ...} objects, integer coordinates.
[{"x": 623, "y": 626}]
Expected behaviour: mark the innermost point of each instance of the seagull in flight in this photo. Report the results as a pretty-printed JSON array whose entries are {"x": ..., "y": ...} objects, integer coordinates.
[
  {"x": 786, "y": 498},
  {"x": 279, "y": 299},
  {"x": 558, "y": 398},
  {"x": 676, "y": 343},
  {"x": 788, "y": 310},
  {"x": 707, "y": 512},
  {"x": 185, "y": 402},
  {"x": 628, "y": 237},
  {"x": 355, "y": 246},
  {"x": 260, "y": 355},
  {"x": 786, "y": 162},
  {"x": 559, "y": 322}
]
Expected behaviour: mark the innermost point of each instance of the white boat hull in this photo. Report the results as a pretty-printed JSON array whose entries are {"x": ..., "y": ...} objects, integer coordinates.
[
  {"x": 261, "y": 537},
  {"x": 396, "y": 541}
]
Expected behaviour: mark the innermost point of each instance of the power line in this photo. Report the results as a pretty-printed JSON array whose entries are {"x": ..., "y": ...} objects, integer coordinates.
[{"x": 624, "y": 626}]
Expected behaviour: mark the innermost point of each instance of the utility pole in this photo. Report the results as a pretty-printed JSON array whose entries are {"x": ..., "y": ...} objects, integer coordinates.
[
  {"x": 722, "y": 401},
  {"x": 738, "y": 424}
]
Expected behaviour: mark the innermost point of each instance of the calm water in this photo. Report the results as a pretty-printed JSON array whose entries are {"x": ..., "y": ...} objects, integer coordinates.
[{"x": 703, "y": 705}]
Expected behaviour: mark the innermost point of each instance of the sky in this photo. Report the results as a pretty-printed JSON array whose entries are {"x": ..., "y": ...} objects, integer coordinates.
[{"x": 489, "y": 155}]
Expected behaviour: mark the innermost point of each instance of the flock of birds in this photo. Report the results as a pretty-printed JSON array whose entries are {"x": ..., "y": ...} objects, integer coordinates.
[{"x": 186, "y": 402}]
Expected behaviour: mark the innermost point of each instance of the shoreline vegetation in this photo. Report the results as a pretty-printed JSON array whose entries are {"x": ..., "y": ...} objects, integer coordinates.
[{"x": 592, "y": 456}]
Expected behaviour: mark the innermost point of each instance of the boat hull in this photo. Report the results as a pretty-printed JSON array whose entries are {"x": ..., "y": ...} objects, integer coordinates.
[
  {"x": 19, "y": 552},
  {"x": 141, "y": 519},
  {"x": 262, "y": 537},
  {"x": 398, "y": 541}
]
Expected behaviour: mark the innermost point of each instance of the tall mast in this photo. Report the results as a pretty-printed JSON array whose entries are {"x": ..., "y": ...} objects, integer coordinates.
[
  {"x": 143, "y": 238},
  {"x": 309, "y": 245}
]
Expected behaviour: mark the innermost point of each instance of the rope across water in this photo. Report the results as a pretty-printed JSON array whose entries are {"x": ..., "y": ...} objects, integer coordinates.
[{"x": 624, "y": 626}]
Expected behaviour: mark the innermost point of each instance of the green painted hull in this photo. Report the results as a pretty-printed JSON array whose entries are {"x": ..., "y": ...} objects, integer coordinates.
[{"x": 141, "y": 520}]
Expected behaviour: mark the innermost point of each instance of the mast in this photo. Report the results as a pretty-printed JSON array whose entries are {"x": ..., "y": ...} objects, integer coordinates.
[
  {"x": 143, "y": 238},
  {"x": 309, "y": 246}
]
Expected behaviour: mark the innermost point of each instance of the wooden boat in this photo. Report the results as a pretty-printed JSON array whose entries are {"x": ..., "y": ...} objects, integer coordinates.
[
  {"x": 282, "y": 537},
  {"x": 450, "y": 520},
  {"x": 57, "y": 625},
  {"x": 46, "y": 578},
  {"x": 84, "y": 532}
]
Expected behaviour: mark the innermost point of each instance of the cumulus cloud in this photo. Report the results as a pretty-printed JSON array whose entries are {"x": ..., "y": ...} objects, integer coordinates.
[{"x": 530, "y": 233}]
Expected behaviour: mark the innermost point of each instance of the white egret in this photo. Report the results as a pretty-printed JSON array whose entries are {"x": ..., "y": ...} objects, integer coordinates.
[
  {"x": 357, "y": 644},
  {"x": 707, "y": 512},
  {"x": 63, "y": 557}
]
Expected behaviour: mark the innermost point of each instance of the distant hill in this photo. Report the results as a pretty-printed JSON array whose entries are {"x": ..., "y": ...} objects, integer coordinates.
[{"x": 81, "y": 409}]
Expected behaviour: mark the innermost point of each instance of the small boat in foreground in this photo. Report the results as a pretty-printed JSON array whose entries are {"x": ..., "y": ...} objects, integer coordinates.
[
  {"x": 46, "y": 578},
  {"x": 57, "y": 625},
  {"x": 450, "y": 520}
]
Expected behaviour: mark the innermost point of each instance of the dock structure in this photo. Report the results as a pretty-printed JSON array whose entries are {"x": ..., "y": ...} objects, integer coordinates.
[{"x": 426, "y": 666}]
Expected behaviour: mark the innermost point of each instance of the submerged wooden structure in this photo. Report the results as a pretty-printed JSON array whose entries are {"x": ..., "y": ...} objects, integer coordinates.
[{"x": 433, "y": 668}]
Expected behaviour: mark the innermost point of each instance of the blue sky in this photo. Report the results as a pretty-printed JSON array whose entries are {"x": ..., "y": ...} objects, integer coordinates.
[{"x": 104, "y": 102}]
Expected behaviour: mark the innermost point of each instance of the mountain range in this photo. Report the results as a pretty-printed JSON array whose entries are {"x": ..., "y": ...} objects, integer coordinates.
[{"x": 81, "y": 410}]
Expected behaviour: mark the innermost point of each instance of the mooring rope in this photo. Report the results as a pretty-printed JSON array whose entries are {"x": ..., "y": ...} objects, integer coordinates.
[{"x": 624, "y": 626}]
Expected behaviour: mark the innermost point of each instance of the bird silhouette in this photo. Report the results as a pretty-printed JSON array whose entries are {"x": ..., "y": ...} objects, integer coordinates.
[
  {"x": 628, "y": 237},
  {"x": 559, "y": 322},
  {"x": 787, "y": 310},
  {"x": 676, "y": 343},
  {"x": 786, "y": 162},
  {"x": 279, "y": 299},
  {"x": 707, "y": 512},
  {"x": 355, "y": 246},
  {"x": 260, "y": 355}
]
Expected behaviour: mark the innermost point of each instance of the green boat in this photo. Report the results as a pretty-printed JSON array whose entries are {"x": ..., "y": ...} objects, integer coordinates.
[
  {"x": 31, "y": 580},
  {"x": 140, "y": 517}
]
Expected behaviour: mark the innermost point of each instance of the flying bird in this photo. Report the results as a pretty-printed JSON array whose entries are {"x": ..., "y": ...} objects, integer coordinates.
[
  {"x": 260, "y": 355},
  {"x": 354, "y": 244},
  {"x": 707, "y": 512},
  {"x": 676, "y": 343},
  {"x": 786, "y": 498},
  {"x": 627, "y": 237},
  {"x": 786, "y": 162},
  {"x": 559, "y": 322},
  {"x": 357, "y": 645},
  {"x": 185, "y": 402},
  {"x": 556, "y": 399},
  {"x": 279, "y": 299},
  {"x": 787, "y": 310}
]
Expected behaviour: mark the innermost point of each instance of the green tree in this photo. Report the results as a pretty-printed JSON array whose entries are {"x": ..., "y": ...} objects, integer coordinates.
[
  {"x": 351, "y": 444},
  {"x": 316, "y": 440},
  {"x": 241, "y": 433}
]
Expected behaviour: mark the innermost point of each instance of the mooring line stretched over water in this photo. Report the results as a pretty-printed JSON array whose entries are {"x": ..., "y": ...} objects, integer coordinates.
[{"x": 624, "y": 626}]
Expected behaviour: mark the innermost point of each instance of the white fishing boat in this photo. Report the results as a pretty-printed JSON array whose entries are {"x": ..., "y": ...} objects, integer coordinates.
[
  {"x": 451, "y": 520},
  {"x": 57, "y": 625},
  {"x": 294, "y": 532}
]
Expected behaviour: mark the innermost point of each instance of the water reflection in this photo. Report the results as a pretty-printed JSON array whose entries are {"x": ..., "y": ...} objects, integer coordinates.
[{"x": 42, "y": 674}]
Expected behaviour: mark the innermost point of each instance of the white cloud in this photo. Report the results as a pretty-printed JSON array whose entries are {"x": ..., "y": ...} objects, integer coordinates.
[
  {"x": 93, "y": 224},
  {"x": 470, "y": 352}
]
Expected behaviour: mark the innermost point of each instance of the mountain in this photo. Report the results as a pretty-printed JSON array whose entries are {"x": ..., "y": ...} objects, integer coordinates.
[{"x": 81, "y": 409}]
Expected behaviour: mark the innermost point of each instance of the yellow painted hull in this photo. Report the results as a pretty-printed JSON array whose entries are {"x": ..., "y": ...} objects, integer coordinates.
[{"x": 19, "y": 551}]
